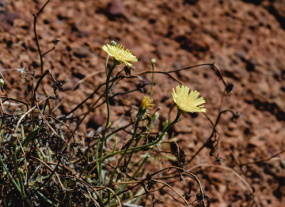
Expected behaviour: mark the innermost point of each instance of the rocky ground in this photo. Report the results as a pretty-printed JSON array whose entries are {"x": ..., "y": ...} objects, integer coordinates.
[{"x": 244, "y": 38}]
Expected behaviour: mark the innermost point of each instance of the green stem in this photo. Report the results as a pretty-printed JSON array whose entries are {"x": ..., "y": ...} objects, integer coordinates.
[
  {"x": 107, "y": 97},
  {"x": 10, "y": 175},
  {"x": 125, "y": 151},
  {"x": 135, "y": 173},
  {"x": 101, "y": 141},
  {"x": 166, "y": 128},
  {"x": 140, "y": 167},
  {"x": 132, "y": 152},
  {"x": 20, "y": 178},
  {"x": 139, "y": 147},
  {"x": 146, "y": 145},
  {"x": 123, "y": 155},
  {"x": 19, "y": 186}
]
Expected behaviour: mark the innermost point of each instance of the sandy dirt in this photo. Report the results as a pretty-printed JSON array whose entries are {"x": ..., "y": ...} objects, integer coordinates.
[{"x": 245, "y": 39}]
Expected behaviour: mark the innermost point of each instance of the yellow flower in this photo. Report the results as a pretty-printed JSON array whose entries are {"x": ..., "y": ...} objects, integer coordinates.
[
  {"x": 119, "y": 52},
  {"x": 147, "y": 103},
  {"x": 187, "y": 100}
]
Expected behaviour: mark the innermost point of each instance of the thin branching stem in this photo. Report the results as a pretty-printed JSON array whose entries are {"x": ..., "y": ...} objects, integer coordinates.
[
  {"x": 36, "y": 35},
  {"x": 101, "y": 141},
  {"x": 143, "y": 146},
  {"x": 125, "y": 151}
]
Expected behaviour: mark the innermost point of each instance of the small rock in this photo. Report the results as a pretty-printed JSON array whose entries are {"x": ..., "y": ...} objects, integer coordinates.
[
  {"x": 82, "y": 52},
  {"x": 96, "y": 121},
  {"x": 117, "y": 8}
]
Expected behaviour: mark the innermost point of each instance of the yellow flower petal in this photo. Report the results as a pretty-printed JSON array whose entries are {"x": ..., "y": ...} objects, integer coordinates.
[
  {"x": 147, "y": 103},
  {"x": 188, "y": 101},
  {"x": 121, "y": 54}
]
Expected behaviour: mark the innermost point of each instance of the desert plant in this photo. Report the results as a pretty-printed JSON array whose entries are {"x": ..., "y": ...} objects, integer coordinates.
[{"x": 43, "y": 163}]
